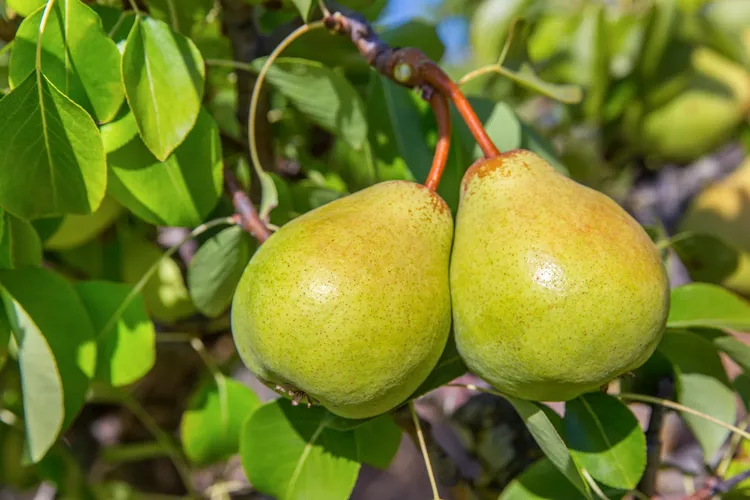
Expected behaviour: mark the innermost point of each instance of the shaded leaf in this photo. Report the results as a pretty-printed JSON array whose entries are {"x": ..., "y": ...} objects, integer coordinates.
[
  {"x": 126, "y": 349},
  {"x": 19, "y": 243},
  {"x": 728, "y": 344},
  {"x": 181, "y": 15},
  {"x": 323, "y": 95},
  {"x": 180, "y": 191},
  {"x": 605, "y": 438},
  {"x": 378, "y": 441},
  {"x": 216, "y": 268},
  {"x": 702, "y": 384},
  {"x": 211, "y": 425},
  {"x": 58, "y": 145},
  {"x": 56, "y": 351},
  {"x": 545, "y": 427},
  {"x": 706, "y": 257},
  {"x": 77, "y": 57},
  {"x": 450, "y": 366},
  {"x": 164, "y": 78},
  {"x": 702, "y": 304},
  {"x": 416, "y": 33},
  {"x": 541, "y": 481},
  {"x": 289, "y": 452}
]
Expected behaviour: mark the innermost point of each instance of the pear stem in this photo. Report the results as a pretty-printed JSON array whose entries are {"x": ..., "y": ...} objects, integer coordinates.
[
  {"x": 425, "y": 454},
  {"x": 437, "y": 78},
  {"x": 439, "y": 105},
  {"x": 246, "y": 212}
]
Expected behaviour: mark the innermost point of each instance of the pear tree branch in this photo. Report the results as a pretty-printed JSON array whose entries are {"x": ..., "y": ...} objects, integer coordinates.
[{"x": 246, "y": 215}]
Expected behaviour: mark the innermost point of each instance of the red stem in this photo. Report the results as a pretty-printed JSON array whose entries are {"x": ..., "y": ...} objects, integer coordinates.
[
  {"x": 442, "y": 83},
  {"x": 440, "y": 108},
  {"x": 246, "y": 214}
]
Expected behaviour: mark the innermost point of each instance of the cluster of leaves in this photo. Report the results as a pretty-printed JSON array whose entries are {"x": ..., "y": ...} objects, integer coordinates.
[{"x": 118, "y": 122}]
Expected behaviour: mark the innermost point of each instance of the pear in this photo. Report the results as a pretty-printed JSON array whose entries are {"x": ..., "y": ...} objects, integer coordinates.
[
  {"x": 348, "y": 305},
  {"x": 723, "y": 210},
  {"x": 556, "y": 290}
]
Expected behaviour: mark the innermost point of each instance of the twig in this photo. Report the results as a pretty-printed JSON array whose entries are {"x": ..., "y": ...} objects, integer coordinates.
[
  {"x": 409, "y": 67},
  {"x": 715, "y": 487},
  {"x": 425, "y": 453},
  {"x": 442, "y": 115},
  {"x": 247, "y": 216}
]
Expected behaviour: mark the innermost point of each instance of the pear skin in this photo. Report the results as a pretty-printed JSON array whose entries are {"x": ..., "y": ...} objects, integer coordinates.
[
  {"x": 350, "y": 302},
  {"x": 556, "y": 289}
]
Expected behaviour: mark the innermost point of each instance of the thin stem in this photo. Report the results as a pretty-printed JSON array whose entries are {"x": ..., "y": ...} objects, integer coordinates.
[
  {"x": 117, "y": 24},
  {"x": 594, "y": 485},
  {"x": 135, "y": 8},
  {"x": 42, "y": 27},
  {"x": 437, "y": 77},
  {"x": 148, "y": 274},
  {"x": 440, "y": 108},
  {"x": 734, "y": 443},
  {"x": 162, "y": 437},
  {"x": 248, "y": 216},
  {"x": 173, "y": 15},
  {"x": 259, "y": 84},
  {"x": 425, "y": 454},
  {"x": 221, "y": 383},
  {"x": 323, "y": 8},
  {"x": 228, "y": 63},
  {"x": 677, "y": 406}
]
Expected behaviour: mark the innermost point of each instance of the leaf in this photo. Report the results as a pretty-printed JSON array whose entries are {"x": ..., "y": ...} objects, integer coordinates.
[
  {"x": 378, "y": 441},
  {"x": 543, "y": 426},
  {"x": 304, "y": 7},
  {"x": 25, "y": 7},
  {"x": 126, "y": 350},
  {"x": 702, "y": 304},
  {"x": 707, "y": 258},
  {"x": 534, "y": 141},
  {"x": 216, "y": 268},
  {"x": 59, "y": 147},
  {"x": 56, "y": 351},
  {"x": 180, "y": 191},
  {"x": 702, "y": 384},
  {"x": 164, "y": 78},
  {"x": 4, "y": 335},
  {"x": 728, "y": 344},
  {"x": 323, "y": 95},
  {"x": 211, "y": 425},
  {"x": 450, "y": 366},
  {"x": 540, "y": 481},
  {"x": 75, "y": 230},
  {"x": 116, "y": 23},
  {"x": 19, "y": 243},
  {"x": 416, "y": 33},
  {"x": 290, "y": 453},
  {"x": 395, "y": 133},
  {"x": 181, "y": 15},
  {"x": 77, "y": 57},
  {"x": 605, "y": 439}
]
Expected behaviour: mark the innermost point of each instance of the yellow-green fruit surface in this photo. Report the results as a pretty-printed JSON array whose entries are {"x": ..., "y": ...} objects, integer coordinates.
[
  {"x": 723, "y": 210},
  {"x": 704, "y": 115},
  {"x": 350, "y": 302},
  {"x": 556, "y": 289}
]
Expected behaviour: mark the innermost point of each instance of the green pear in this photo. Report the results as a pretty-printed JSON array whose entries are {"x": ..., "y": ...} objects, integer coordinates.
[
  {"x": 349, "y": 304},
  {"x": 723, "y": 210},
  {"x": 556, "y": 289}
]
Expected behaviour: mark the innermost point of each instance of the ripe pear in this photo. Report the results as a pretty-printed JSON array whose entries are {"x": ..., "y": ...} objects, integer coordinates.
[
  {"x": 723, "y": 210},
  {"x": 556, "y": 289},
  {"x": 704, "y": 115},
  {"x": 349, "y": 304}
]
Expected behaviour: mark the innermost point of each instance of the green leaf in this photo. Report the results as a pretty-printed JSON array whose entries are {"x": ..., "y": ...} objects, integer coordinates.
[
  {"x": 25, "y": 7},
  {"x": 395, "y": 132},
  {"x": 702, "y": 384},
  {"x": 707, "y": 258},
  {"x": 416, "y": 33},
  {"x": 56, "y": 351},
  {"x": 450, "y": 366},
  {"x": 164, "y": 78},
  {"x": 126, "y": 350},
  {"x": 534, "y": 141},
  {"x": 4, "y": 335},
  {"x": 211, "y": 425},
  {"x": 605, "y": 439},
  {"x": 19, "y": 243},
  {"x": 116, "y": 23},
  {"x": 216, "y": 268},
  {"x": 179, "y": 191},
  {"x": 541, "y": 481},
  {"x": 304, "y": 7},
  {"x": 741, "y": 384},
  {"x": 181, "y": 15},
  {"x": 290, "y": 453},
  {"x": 701, "y": 304},
  {"x": 77, "y": 57},
  {"x": 378, "y": 441},
  {"x": 545, "y": 427},
  {"x": 75, "y": 230},
  {"x": 728, "y": 344},
  {"x": 58, "y": 145},
  {"x": 323, "y": 95}
]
